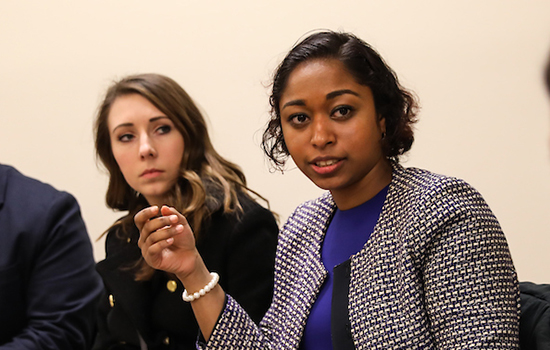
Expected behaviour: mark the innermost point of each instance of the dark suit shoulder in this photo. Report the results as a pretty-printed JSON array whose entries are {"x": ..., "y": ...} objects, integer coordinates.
[{"x": 23, "y": 192}]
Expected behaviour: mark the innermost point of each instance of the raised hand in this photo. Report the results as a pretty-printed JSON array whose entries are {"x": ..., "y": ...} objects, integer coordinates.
[{"x": 166, "y": 241}]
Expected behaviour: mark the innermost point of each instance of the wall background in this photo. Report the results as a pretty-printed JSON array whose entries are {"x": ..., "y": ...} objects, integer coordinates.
[{"x": 475, "y": 65}]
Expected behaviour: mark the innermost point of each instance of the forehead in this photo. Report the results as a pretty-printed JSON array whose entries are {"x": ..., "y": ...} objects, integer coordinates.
[
  {"x": 131, "y": 108},
  {"x": 319, "y": 77}
]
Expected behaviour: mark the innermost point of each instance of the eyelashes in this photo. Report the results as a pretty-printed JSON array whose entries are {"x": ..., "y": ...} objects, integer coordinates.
[
  {"x": 125, "y": 137},
  {"x": 164, "y": 129},
  {"x": 342, "y": 112},
  {"x": 298, "y": 118},
  {"x": 128, "y": 136}
]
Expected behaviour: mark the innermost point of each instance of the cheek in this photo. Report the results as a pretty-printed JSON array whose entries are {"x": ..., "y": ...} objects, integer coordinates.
[
  {"x": 180, "y": 147},
  {"x": 122, "y": 160},
  {"x": 365, "y": 133},
  {"x": 175, "y": 150},
  {"x": 289, "y": 138}
]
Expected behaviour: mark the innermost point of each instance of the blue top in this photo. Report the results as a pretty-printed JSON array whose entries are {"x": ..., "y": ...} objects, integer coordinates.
[{"x": 346, "y": 235}]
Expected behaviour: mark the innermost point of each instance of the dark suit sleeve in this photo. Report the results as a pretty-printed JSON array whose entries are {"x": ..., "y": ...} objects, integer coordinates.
[
  {"x": 63, "y": 287},
  {"x": 251, "y": 261}
]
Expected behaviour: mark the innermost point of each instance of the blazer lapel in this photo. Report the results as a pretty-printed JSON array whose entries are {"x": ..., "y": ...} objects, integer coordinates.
[
  {"x": 370, "y": 266},
  {"x": 309, "y": 230}
]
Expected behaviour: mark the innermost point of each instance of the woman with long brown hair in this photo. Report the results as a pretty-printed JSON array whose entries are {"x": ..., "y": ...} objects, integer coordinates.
[{"x": 154, "y": 143}]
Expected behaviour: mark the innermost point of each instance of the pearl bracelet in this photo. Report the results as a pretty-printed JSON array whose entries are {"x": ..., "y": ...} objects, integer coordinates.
[{"x": 203, "y": 291}]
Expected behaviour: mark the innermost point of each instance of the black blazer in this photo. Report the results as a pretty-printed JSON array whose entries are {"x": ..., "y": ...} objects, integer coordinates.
[
  {"x": 48, "y": 284},
  {"x": 241, "y": 248}
]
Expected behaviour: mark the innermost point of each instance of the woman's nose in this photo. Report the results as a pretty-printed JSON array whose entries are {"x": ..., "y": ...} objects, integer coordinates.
[
  {"x": 322, "y": 133},
  {"x": 146, "y": 148}
]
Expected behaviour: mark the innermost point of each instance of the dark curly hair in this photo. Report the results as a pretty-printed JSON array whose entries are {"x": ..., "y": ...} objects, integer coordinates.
[{"x": 394, "y": 103}]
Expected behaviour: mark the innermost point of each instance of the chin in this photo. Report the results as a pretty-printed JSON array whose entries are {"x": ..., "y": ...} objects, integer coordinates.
[{"x": 325, "y": 185}]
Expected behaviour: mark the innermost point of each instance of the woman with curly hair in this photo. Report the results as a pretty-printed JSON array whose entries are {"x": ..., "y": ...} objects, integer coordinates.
[{"x": 388, "y": 258}]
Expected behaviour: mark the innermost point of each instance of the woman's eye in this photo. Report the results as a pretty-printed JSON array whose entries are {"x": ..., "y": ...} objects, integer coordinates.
[
  {"x": 125, "y": 137},
  {"x": 164, "y": 129},
  {"x": 298, "y": 118},
  {"x": 342, "y": 112}
]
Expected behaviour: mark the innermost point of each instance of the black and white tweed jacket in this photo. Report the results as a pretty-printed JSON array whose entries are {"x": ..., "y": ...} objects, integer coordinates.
[{"x": 436, "y": 273}]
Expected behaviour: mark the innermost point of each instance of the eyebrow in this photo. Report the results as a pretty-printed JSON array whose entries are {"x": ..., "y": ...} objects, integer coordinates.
[
  {"x": 337, "y": 93},
  {"x": 154, "y": 119},
  {"x": 329, "y": 96}
]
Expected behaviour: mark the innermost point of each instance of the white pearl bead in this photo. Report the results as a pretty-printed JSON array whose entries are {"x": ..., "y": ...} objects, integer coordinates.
[{"x": 215, "y": 278}]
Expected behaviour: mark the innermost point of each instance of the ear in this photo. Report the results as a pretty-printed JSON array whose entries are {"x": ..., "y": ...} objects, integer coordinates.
[{"x": 382, "y": 123}]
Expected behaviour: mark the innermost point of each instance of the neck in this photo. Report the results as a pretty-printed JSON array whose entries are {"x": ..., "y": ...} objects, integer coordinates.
[
  {"x": 351, "y": 197},
  {"x": 158, "y": 201}
]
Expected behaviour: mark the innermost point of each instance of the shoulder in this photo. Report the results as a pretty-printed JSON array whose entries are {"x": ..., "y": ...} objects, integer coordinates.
[
  {"x": 250, "y": 210},
  {"x": 252, "y": 219},
  {"x": 249, "y": 204},
  {"x": 422, "y": 206},
  {"x": 51, "y": 210},
  {"x": 27, "y": 188},
  {"x": 428, "y": 208},
  {"x": 253, "y": 214},
  {"x": 33, "y": 196},
  {"x": 225, "y": 235},
  {"x": 416, "y": 186},
  {"x": 416, "y": 179}
]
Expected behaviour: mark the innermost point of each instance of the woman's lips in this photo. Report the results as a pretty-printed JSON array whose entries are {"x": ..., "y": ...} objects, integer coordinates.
[
  {"x": 326, "y": 166},
  {"x": 150, "y": 173}
]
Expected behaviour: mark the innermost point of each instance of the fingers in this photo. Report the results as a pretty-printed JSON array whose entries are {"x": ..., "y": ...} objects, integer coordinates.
[
  {"x": 166, "y": 233},
  {"x": 145, "y": 215},
  {"x": 158, "y": 228},
  {"x": 160, "y": 240},
  {"x": 154, "y": 229},
  {"x": 165, "y": 210},
  {"x": 166, "y": 240}
]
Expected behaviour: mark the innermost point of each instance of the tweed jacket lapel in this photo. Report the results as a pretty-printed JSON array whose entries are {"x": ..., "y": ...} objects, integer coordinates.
[
  {"x": 315, "y": 234},
  {"x": 303, "y": 235}
]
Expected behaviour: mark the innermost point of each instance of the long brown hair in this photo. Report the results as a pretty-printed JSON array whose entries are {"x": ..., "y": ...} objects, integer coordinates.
[{"x": 207, "y": 179}]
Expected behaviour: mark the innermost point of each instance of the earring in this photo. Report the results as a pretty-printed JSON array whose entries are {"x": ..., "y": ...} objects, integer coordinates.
[{"x": 383, "y": 135}]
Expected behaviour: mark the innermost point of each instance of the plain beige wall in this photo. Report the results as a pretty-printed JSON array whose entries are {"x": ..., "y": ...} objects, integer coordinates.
[{"x": 475, "y": 65}]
